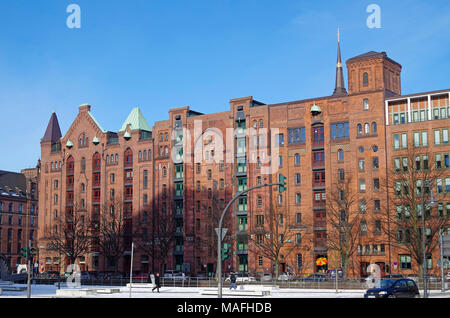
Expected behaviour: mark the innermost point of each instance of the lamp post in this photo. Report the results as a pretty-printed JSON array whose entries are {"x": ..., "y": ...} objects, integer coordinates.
[
  {"x": 424, "y": 253},
  {"x": 219, "y": 232}
]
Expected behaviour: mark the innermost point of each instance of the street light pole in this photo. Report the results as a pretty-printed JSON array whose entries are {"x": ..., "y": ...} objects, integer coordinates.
[
  {"x": 219, "y": 233},
  {"x": 424, "y": 260}
]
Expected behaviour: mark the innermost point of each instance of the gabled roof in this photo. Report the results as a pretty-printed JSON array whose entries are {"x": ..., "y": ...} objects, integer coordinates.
[
  {"x": 136, "y": 120},
  {"x": 53, "y": 132},
  {"x": 96, "y": 122}
]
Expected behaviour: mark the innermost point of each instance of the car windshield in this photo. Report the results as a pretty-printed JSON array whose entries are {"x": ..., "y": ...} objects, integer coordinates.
[{"x": 386, "y": 283}]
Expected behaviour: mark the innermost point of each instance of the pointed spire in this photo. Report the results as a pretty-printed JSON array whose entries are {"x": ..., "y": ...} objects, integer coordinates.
[
  {"x": 340, "y": 84},
  {"x": 136, "y": 120},
  {"x": 53, "y": 132}
]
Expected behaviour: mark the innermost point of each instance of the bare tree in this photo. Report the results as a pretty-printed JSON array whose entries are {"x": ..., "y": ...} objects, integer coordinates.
[
  {"x": 71, "y": 235},
  {"x": 272, "y": 238},
  {"x": 145, "y": 237},
  {"x": 110, "y": 230},
  {"x": 164, "y": 237},
  {"x": 410, "y": 185},
  {"x": 344, "y": 219}
]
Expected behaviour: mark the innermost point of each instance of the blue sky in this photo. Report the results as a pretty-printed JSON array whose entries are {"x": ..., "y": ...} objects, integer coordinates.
[{"x": 159, "y": 54}]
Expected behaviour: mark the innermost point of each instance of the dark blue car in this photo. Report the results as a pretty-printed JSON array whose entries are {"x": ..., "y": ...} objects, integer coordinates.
[{"x": 394, "y": 288}]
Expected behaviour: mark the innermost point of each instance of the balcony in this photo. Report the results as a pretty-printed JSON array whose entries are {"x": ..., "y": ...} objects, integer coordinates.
[
  {"x": 179, "y": 250},
  {"x": 179, "y": 231},
  {"x": 320, "y": 225}
]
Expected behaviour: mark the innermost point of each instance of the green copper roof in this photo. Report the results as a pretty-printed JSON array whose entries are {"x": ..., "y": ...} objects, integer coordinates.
[{"x": 136, "y": 121}]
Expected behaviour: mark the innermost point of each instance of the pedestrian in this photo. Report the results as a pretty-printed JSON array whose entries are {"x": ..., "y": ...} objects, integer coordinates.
[
  {"x": 157, "y": 283},
  {"x": 233, "y": 282}
]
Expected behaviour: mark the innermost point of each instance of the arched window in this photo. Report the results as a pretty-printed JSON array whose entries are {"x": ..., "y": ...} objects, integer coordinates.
[
  {"x": 96, "y": 161},
  {"x": 359, "y": 129},
  {"x": 140, "y": 155},
  {"x": 297, "y": 159},
  {"x": 107, "y": 159},
  {"x": 261, "y": 123},
  {"x": 374, "y": 128},
  {"x": 365, "y": 79},
  {"x": 166, "y": 151},
  {"x": 83, "y": 164},
  {"x": 70, "y": 165},
  {"x": 145, "y": 155},
  {"x": 83, "y": 188},
  {"x": 117, "y": 158},
  {"x": 164, "y": 171},
  {"x": 340, "y": 155},
  {"x": 128, "y": 157},
  {"x": 366, "y": 129}
]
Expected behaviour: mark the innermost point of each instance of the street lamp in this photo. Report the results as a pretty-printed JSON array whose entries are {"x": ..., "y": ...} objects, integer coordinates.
[{"x": 431, "y": 203}]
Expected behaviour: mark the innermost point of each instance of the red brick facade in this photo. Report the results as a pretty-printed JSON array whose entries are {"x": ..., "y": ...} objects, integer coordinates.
[{"x": 350, "y": 133}]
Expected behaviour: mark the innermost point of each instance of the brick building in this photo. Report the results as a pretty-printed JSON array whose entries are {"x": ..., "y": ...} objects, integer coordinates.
[
  {"x": 18, "y": 214},
  {"x": 174, "y": 179}
]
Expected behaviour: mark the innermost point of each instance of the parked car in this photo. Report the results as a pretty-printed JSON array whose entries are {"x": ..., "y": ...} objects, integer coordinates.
[
  {"x": 267, "y": 277},
  {"x": 331, "y": 275},
  {"x": 394, "y": 288},
  {"x": 314, "y": 278},
  {"x": 285, "y": 277},
  {"x": 414, "y": 277},
  {"x": 85, "y": 275},
  {"x": 50, "y": 274},
  {"x": 242, "y": 277},
  {"x": 392, "y": 276},
  {"x": 176, "y": 275}
]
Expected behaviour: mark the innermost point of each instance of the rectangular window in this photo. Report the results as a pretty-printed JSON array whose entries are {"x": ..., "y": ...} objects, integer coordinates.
[
  {"x": 437, "y": 137},
  {"x": 416, "y": 139},
  {"x": 404, "y": 140},
  {"x": 340, "y": 130},
  {"x": 280, "y": 139},
  {"x": 397, "y": 164},
  {"x": 445, "y": 136},
  {"x": 424, "y": 138},
  {"x": 396, "y": 141},
  {"x": 405, "y": 261},
  {"x": 362, "y": 185},
  {"x": 298, "y": 218},
  {"x": 296, "y": 135}
]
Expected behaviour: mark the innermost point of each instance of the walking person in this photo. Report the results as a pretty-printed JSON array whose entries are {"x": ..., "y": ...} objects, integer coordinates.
[
  {"x": 157, "y": 283},
  {"x": 233, "y": 282}
]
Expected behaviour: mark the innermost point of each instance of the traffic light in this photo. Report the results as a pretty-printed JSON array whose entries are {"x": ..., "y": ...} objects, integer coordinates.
[
  {"x": 282, "y": 186},
  {"x": 226, "y": 251},
  {"x": 25, "y": 252},
  {"x": 28, "y": 252}
]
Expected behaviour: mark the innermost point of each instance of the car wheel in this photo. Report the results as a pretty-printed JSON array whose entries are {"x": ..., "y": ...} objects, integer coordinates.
[{"x": 392, "y": 296}]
